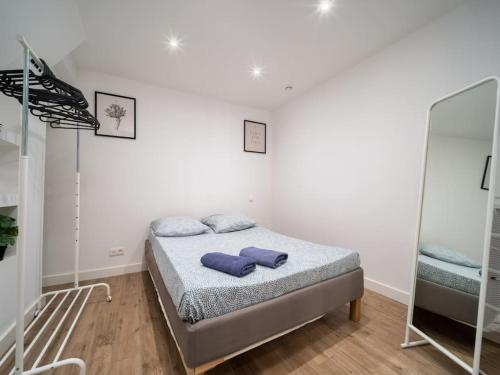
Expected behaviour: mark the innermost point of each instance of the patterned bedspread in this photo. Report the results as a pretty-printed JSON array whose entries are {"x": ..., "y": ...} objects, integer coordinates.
[
  {"x": 465, "y": 279},
  {"x": 202, "y": 293}
]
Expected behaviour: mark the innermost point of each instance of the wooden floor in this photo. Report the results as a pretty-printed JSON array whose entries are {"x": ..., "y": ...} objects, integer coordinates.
[{"x": 129, "y": 336}]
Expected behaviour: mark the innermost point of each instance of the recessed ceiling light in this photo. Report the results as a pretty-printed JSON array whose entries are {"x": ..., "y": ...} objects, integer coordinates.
[
  {"x": 173, "y": 43},
  {"x": 256, "y": 72},
  {"x": 288, "y": 88},
  {"x": 324, "y": 7}
]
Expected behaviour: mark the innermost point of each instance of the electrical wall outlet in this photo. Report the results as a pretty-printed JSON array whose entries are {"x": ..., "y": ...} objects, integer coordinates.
[{"x": 116, "y": 251}]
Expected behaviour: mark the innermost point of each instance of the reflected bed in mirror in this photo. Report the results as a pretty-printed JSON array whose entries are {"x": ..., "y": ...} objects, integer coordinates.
[{"x": 454, "y": 231}]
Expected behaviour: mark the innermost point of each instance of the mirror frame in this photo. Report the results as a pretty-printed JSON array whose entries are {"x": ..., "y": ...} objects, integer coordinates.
[{"x": 475, "y": 368}]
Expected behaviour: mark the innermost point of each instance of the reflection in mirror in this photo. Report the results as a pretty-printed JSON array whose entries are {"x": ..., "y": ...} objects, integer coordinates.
[
  {"x": 453, "y": 220},
  {"x": 490, "y": 350}
]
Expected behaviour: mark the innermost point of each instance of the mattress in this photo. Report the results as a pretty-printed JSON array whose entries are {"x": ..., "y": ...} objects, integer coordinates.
[
  {"x": 202, "y": 293},
  {"x": 465, "y": 279}
]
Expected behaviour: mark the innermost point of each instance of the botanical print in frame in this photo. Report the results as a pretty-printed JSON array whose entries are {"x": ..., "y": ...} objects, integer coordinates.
[
  {"x": 254, "y": 137},
  {"x": 116, "y": 114}
]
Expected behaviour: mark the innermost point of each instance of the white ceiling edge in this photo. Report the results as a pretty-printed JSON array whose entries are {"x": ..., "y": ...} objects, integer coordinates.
[
  {"x": 80, "y": 71},
  {"x": 81, "y": 74}
]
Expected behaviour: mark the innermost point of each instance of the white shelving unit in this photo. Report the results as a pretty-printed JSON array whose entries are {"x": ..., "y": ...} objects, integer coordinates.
[
  {"x": 8, "y": 199},
  {"x": 8, "y": 139},
  {"x": 9, "y": 171},
  {"x": 9, "y": 145}
]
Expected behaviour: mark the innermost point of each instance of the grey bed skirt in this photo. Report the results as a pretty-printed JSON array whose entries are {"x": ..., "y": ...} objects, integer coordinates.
[{"x": 210, "y": 339}]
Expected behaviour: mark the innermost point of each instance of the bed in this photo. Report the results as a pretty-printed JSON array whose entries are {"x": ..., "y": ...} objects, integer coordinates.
[
  {"x": 448, "y": 289},
  {"x": 214, "y": 317}
]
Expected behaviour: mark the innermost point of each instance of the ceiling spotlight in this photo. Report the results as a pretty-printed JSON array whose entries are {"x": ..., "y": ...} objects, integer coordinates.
[
  {"x": 173, "y": 43},
  {"x": 323, "y": 7},
  {"x": 256, "y": 72}
]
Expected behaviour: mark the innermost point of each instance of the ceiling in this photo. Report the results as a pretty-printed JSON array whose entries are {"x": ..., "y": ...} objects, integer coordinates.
[{"x": 223, "y": 39}]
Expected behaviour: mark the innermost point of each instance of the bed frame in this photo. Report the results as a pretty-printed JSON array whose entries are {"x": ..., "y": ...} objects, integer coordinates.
[
  {"x": 210, "y": 342},
  {"x": 448, "y": 302}
]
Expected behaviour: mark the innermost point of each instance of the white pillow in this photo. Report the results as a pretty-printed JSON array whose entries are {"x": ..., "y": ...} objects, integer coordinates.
[
  {"x": 178, "y": 226},
  {"x": 224, "y": 223}
]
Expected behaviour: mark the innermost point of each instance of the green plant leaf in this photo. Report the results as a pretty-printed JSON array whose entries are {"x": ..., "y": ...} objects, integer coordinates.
[
  {"x": 8, "y": 231},
  {"x": 6, "y": 222},
  {"x": 7, "y": 240}
]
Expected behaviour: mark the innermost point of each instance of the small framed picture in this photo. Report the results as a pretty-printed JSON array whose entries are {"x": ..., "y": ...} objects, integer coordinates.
[
  {"x": 116, "y": 114},
  {"x": 485, "y": 182},
  {"x": 254, "y": 137}
]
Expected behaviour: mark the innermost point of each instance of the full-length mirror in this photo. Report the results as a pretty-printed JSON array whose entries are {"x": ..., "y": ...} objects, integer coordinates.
[{"x": 454, "y": 224}]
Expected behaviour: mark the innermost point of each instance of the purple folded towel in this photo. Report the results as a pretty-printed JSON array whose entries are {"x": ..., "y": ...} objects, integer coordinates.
[
  {"x": 264, "y": 257},
  {"x": 234, "y": 265}
]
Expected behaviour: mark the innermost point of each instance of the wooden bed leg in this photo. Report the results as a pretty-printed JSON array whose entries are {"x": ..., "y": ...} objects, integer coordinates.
[
  {"x": 202, "y": 369},
  {"x": 355, "y": 310}
]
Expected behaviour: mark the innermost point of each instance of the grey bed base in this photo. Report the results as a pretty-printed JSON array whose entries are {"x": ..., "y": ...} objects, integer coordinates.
[
  {"x": 447, "y": 302},
  {"x": 209, "y": 342}
]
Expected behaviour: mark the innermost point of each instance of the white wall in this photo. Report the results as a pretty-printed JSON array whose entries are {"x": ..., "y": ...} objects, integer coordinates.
[
  {"x": 188, "y": 159},
  {"x": 347, "y": 155},
  {"x": 454, "y": 207}
]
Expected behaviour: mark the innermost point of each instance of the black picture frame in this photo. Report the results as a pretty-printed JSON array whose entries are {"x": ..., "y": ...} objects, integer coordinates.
[
  {"x": 485, "y": 182},
  {"x": 96, "y": 132},
  {"x": 245, "y": 148}
]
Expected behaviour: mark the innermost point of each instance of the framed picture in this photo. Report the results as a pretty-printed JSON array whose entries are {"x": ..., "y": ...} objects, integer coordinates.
[
  {"x": 254, "y": 137},
  {"x": 116, "y": 114},
  {"x": 485, "y": 182}
]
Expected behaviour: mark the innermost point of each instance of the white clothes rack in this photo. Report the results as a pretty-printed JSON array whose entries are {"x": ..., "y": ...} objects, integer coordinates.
[{"x": 63, "y": 295}]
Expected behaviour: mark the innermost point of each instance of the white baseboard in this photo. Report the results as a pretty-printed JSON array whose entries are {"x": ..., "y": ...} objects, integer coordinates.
[
  {"x": 97, "y": 273},
  {"x": 388, "y": 291},
  {"x": 63, "y": 278},
  {"x": 8, "y": 337}
]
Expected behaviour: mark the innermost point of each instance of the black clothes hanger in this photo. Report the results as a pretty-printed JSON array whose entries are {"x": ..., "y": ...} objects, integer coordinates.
[{"x": 52, "y": 100}]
